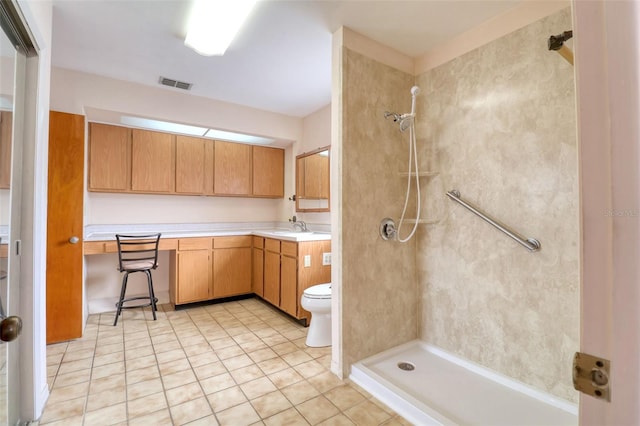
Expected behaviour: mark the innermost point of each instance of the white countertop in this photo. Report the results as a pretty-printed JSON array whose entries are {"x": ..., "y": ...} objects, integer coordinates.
[{"x": 262, "y": 229}]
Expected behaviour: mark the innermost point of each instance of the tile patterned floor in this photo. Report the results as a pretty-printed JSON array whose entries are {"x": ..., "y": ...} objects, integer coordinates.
[{"x": 236, "y": 363}]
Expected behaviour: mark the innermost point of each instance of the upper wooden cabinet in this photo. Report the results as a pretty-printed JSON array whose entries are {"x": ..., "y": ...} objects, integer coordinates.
[
  {"x": 152, "y": 161},
  {"x": 194, "y": 165},
  {"x": 232, "y": 169},
  {"x": 122, "y": 159},
  {"x": 268, "y": 172},
  {"x": 109, "y": 158},
  {"x": 312, "y": 181}
]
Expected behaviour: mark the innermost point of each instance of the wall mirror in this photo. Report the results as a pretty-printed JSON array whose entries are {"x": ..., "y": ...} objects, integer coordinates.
[{"x": 312, "y": 181}]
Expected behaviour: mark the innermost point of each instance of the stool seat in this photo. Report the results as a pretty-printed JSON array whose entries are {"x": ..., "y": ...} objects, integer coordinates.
[
  {"x": 137, "y": 253},
  {"x": 138, "y": 265}
]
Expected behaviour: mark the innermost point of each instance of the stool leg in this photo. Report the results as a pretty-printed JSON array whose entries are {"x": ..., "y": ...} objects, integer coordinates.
[
  {"x": 152, "y": 296},
  {"x": 123, "y": 290}
]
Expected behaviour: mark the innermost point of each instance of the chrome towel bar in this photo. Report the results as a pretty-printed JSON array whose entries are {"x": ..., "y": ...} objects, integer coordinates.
[{"x": 530, "y": 244}]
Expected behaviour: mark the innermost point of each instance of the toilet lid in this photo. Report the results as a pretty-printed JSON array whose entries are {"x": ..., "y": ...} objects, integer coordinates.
[{"x": 320, "y": 291}]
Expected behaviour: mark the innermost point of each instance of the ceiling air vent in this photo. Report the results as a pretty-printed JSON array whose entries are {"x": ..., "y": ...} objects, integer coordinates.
[{"x": 175, "y": 83}]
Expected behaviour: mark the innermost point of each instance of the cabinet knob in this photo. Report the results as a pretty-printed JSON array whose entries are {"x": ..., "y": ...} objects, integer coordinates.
[{"x": 74, "y": 240}]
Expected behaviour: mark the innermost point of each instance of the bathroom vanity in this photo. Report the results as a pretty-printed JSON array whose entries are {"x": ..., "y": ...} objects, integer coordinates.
[{"x": 275, "y": 264}]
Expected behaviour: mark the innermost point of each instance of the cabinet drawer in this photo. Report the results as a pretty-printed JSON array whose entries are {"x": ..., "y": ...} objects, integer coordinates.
[
  {"x": 194, "y": 243},
  {"x": 272, "y": 245},
  {"x": 258, "y": 242},
  {"x": 230, "y": 242},
  {"x": 289, "y": 249}
]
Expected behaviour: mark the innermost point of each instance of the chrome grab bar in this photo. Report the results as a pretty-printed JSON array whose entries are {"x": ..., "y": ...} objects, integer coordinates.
[{"x": 530, "y": 244}]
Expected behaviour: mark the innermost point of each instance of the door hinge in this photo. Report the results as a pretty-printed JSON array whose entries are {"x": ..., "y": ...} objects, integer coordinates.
[{"x": 591, "y": 375}]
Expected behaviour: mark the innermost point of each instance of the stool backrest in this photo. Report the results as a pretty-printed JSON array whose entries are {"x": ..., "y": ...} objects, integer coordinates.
[{"x": 138, "y": 252}]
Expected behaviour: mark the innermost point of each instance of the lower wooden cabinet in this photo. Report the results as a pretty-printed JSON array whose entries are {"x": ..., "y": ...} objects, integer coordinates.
[
  {"x": 289, "y": 269},
  {"x": 272, "y": 271},
  {"x": 257, "y": 266},
  {"x": 231, "y": 266},
  {"x": 288, "y": 285},
  {"x": 210, "y": 268},
  {"x": 190, "y": 271},
  {"x": 193, "y": 276}
]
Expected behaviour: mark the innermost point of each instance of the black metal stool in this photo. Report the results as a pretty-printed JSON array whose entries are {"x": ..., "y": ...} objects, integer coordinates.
[{"x": 137, "y": 253}]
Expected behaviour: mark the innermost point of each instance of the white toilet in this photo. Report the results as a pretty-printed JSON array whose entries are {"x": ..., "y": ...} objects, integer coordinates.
[{"x": 317, "y": 300}]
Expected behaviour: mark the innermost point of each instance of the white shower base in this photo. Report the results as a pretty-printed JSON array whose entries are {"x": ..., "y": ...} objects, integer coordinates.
[{"x": 446, "y": 390}]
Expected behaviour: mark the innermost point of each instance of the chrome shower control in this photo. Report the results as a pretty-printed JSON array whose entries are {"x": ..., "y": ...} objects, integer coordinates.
[{"x": 388, "y": 229}]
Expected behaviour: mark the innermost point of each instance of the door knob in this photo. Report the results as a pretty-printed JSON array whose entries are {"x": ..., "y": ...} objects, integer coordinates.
[
  {"x": 74, "y": 239},
  {"x": 10, "y": 328}
]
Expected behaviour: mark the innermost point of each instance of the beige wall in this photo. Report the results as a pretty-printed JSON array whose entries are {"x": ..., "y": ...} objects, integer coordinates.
[
  {"x": 499, "y": 123},
  {"x": 82, "y": 93},
  {"x": 378, "y": 278}
]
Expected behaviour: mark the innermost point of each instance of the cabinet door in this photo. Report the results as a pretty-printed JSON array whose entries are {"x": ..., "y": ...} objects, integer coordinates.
[
  {"x": 152, "y": 161},
  {"x": 193, "y": 276},
  {"x": 272, "y": 277},
  {"x": 6, "y": 126},
  {"x": 257, "y": 276},
  {"x": 268, "y": 172},
  {"x": 232, "y": 168},
  {"x": 231, "y": 271},
  {"x": 316, "y": 177},
  {"x": 194, "y": 165},
  {"x": 109, "y": 158},
  {"x": 288, "y": 287}
]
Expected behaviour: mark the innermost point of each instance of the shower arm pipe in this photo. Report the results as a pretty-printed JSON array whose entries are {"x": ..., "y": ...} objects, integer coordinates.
[
  {"x": 530, "y": 244},
  {"x": 556, "y": 42}
]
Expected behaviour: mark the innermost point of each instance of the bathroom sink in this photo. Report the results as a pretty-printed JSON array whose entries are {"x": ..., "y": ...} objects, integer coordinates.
[{"x": 292, "y": 233}]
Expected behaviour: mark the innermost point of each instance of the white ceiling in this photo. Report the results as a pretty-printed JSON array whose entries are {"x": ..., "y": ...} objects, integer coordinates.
[{"x": 280, "y": 61}]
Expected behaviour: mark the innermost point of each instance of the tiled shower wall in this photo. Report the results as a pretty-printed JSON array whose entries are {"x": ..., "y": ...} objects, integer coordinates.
[
  {"x": 379, "y": 293},
  {"x": 498, "y": 124}
]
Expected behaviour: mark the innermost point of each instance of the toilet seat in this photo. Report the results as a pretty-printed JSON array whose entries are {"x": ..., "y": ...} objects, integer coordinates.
[{"x": 320, "y": 291}]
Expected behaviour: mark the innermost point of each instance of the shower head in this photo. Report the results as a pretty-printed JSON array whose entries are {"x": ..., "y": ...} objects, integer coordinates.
[
  {"x": 405, "y": 122},
  {"x": 415, "y": 91}
]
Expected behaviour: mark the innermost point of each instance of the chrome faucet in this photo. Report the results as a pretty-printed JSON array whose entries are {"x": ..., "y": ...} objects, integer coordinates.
[{"x": 299, "y": 223}]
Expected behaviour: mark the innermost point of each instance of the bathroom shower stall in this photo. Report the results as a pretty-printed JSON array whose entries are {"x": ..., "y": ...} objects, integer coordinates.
[{"x": 498, "y": 124}]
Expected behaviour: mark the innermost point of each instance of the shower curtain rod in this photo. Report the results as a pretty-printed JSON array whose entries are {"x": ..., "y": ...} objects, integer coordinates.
[{"x": 530, "y": 244}]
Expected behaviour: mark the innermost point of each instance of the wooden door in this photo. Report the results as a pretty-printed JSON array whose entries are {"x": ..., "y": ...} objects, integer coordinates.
[
  {"x": 232, "y": 168},
  {"x": 231, "y": 271},
  {"x": 288, "y": 285},
  {"x": 193, "y": 276},
  {"x": 152, "y": 161},
  {"x": 268, "y": 172},
  {"x": 65, "y": 226},
  {"x": 194, "y": 165},
  {"x": 109, "y": 158}
]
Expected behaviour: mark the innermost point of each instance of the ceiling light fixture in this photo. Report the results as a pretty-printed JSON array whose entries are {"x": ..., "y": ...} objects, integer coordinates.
[
  {"x": 185, "y": 129},
  {"x": 214, "y": 23}
]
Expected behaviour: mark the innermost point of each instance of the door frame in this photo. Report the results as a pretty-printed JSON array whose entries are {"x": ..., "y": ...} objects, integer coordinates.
[
  {"x": 607, "y": 88},
  {"x": 34, "y": 390}
]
